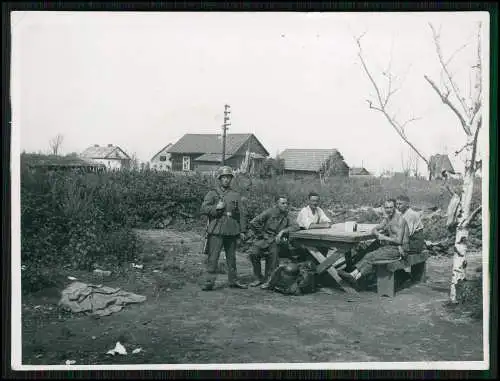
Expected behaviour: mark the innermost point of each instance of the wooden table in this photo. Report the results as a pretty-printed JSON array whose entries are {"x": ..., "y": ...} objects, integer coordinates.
[{"x": 341, "y": 247}]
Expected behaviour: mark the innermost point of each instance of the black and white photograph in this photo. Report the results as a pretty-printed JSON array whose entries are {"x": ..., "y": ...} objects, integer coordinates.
[{"x": 250, "y": 190}]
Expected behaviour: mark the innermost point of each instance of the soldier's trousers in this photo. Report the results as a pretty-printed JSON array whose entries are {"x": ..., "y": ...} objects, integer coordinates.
[
  {"x": 215, "y": 245},
  {"x": 271, "y": 257}
]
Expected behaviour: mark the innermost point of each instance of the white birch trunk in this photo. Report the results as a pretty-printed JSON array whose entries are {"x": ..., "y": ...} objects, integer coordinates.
[{"x": 462, "y": 233}]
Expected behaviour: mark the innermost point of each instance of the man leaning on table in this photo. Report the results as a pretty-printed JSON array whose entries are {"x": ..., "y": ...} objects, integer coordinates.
[{"x": 312, "y": 216}]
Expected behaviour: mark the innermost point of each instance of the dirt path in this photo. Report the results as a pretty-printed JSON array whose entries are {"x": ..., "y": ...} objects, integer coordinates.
[{"x": 179, "y": 323}]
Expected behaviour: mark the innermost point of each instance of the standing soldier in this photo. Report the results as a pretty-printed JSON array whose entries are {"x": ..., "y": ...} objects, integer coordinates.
[{"x": 226, "y": 224}]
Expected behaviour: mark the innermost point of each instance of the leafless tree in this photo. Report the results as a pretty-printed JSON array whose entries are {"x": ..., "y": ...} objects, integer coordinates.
[
  {"x": 468, "y": 109},
  {"x": 383, "y": 95},
  {"x": 469, "y": 114},
  {"x": 55, "y": 144}
]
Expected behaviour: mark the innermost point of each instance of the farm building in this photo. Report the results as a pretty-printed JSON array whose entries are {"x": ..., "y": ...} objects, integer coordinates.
[
  {"x": 113, "y": 157},
  {"x": 299, "y": 162},
  {"x": 439, "y": 163},
  {"x": 203, "y": 152},
  {"x": 358, "y": 171},
  {"x": 161, "y": 160},
  {"x": 50, "y": 163}
]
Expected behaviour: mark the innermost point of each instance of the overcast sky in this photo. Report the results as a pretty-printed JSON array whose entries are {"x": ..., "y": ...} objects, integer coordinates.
[{"x": 142, "y": 80}]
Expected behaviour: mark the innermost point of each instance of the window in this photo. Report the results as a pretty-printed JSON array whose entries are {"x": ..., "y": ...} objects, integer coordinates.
[
  {"x": 163, "y": 158},
  {"x": 186, "y": 161}
]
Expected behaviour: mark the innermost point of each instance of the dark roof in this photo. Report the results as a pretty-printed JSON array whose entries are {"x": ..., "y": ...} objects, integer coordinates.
[
  {"x": 439, "y": 163},
  {"x": 101, "y": 152},
  {"x": 358, "y": 171},
  {"x": 209, "y": 143},
  {"x": 306, "y": 159}
]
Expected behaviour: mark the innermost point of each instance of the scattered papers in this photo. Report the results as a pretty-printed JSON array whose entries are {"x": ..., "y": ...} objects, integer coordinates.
[
  {"x": 137, "y": 350},
  {"x": 119, "y": 348},
  {"x": 70, "y": 362},
  {"x": 72, "y": 278}
]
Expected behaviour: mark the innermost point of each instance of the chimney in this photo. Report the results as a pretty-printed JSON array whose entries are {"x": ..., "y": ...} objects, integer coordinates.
[
  {"x": 110, "y": 145},
  {"x": 96, "y": 145}
]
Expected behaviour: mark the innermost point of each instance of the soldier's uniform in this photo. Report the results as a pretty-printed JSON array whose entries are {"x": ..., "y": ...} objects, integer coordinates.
[
  {"x": 267, "y": 225},
  {"x": 223, "y": 230}
]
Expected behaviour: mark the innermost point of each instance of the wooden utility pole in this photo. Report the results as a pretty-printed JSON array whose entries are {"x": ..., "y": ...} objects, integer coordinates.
[{"x": 224, "y": 129}]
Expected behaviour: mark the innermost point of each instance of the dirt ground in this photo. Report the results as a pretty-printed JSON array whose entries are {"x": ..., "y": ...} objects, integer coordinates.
[{"x": 179, "y": 323}]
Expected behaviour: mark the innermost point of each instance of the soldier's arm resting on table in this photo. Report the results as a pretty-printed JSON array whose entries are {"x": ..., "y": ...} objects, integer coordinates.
[{"x": 324, "y": 221}]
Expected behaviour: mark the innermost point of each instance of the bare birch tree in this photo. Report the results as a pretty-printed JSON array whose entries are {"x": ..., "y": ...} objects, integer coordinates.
[
  {"x": 55, "y": 144},
  {"x": 468, "y": 110}
]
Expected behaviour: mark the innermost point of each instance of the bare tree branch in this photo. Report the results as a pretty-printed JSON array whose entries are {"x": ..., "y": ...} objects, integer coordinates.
[
  {"x": 446, "y": 101},
  {"x": 382, "y": 103},
  {"x": 444, "y": 66},
  {"x": 461, "y": 149},
  {"x": 477, "y": 101},
  {"x": 474, "y": 144}
]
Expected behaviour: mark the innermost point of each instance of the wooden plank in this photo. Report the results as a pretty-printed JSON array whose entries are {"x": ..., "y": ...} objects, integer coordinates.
[
  {"x": 330, "y": 260},
  {"x": 331, "y": 270}
]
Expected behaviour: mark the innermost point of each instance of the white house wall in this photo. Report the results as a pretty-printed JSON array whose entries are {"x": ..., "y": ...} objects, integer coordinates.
[{"x": 110, "y": 163}]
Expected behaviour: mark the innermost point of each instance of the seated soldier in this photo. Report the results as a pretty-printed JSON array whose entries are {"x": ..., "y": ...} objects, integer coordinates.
[
  {"x": 271, "y": 228},
  {"x": 415, "y": 225},
  {"x": 391, "y": 244}
]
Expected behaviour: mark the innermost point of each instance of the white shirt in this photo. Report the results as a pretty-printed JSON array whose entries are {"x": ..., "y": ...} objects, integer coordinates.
[
  {"x": 414, "y": 220},
  {"x": 306, "y": 217}
]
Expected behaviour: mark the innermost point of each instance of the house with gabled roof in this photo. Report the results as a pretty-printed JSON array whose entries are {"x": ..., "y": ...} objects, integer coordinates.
[
  {"x": 161, "y": 160},
  {"x": 328, "y": 162},
  {"x": 438, "y": 165},
  {"x": 113, "y": 157},
  {"x": 358, "y": 171},
  {"x": 203, "y": 152}
]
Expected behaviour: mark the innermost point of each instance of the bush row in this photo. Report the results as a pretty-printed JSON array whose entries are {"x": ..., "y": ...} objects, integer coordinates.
[{"x": 81, "y": 219}]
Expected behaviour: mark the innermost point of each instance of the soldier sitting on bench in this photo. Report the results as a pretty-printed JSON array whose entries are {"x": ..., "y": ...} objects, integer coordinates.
[
  {"x": 415, "y": 225},
  {"x": 392, "y": 243}
]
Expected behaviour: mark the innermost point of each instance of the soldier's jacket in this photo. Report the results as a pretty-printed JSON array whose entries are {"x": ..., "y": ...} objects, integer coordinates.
[
  {"x": 232, "y": 220},
  {"x": 269, "y": 223}
]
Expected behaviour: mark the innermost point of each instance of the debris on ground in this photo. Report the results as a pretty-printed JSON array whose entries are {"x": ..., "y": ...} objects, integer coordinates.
[
  {"x": 137, "y": 350},
  {"x": 119, "y": 348},
  {"x": 70, "y": 362},
  {"x": 135, "y": 266},
  {"x": 96, "y": 299},
  {"x": 102, "y": 272},
  {"x": 72, "y": 278}
]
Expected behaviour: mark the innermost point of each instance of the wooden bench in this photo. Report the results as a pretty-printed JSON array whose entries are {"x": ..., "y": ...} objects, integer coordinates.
[{"x": 385, "y": 272}]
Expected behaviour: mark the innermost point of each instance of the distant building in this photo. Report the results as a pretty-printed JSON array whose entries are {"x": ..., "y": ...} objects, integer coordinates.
[
  {"x": 358, "y": 171},
  {"x": 438, "y": 164},
  {"x": 113, "y": 157},
  {"x": 50, "y": 163},
  {"x": 203, "y": 152},
  {"x": 328, "y": 162},
  {"x": 161, "y": 160}
]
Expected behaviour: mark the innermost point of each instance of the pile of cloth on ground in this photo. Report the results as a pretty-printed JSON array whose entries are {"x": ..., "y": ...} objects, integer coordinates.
[{"x": 96, "y": 299}]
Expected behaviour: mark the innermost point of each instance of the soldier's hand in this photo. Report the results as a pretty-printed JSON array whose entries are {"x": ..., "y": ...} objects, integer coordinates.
[{"x": 220, "y": 205}]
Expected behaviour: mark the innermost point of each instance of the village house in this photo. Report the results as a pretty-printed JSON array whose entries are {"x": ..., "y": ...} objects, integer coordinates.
[
  {"x": 438, "y": 164},
  {"x": 306, "y": 162},
  {"x": 203, "y": 152},
  {"x": 113, "y": 157},
  {"x": 358, "y": 172},
  {"x": 161, "y": 160}
]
